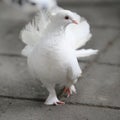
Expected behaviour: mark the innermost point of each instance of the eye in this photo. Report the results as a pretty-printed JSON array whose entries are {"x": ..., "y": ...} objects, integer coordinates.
[{"x": 66, "y": 17}]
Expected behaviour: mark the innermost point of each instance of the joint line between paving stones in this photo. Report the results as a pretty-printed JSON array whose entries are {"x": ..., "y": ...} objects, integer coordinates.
[
  {"x": 68, "y": 103},
  {"x": 22, "y": 98},
  {"x": 95, "y": 105},
  {"x": 11, "y": 55}
]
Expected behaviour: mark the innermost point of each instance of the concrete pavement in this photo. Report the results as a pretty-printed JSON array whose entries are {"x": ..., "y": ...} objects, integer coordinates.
[{"x": 97, "y": 98}]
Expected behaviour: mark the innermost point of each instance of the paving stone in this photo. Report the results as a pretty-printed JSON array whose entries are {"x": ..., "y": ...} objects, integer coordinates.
[
  {"x": 9, "y": 40},
  {"x": 12, "y": 22},
  {"x": 99, "y": 40},
  {"x": 99, "y": 15},
  {"x": 112, "y": 55},
  {"x": 35, "y": 111},
  {"x": 78, "y": 1},
  {"x": 101, "y": 37},
  {"x": 15, "y": 12},
  {"x": 4, "y": 104},
  {"x": 16, "y": 81},
  {"x": 100, "y": 85}
]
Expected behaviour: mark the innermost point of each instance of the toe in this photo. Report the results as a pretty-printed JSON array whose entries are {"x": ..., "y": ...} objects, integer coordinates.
[
  {"x": 67, "y": 91},
  {"x": 60, "y": 103}
]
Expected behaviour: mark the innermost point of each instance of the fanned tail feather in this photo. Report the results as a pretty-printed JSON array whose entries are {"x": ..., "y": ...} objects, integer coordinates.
[
  {"x": 85, "y": 53},
  {"x": 26, "y": 51},
  {"x": 33, "y": 31}
]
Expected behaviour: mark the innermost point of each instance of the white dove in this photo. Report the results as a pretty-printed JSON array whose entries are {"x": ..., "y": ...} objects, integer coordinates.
[
  {"x": 76, "y": 35},
  {"x": 52, "y": 60}
]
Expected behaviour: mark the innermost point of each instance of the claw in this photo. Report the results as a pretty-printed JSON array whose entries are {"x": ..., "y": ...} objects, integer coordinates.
[
  {"x": 69, "y": 91},
  {"x": 59, "y": 103}
]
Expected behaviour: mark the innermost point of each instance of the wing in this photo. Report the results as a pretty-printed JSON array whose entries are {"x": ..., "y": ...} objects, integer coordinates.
[{"x": 78, "y": 35}]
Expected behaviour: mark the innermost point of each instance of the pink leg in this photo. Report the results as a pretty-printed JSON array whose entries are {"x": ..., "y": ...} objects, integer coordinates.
[{"x": 67, "y": 91}]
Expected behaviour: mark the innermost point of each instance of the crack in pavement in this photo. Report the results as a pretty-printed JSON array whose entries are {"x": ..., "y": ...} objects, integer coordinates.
[
  {"x": 95, "y": 105},
  {"x": 41, "y": 100},
  {"x": 11, "y": 55}
]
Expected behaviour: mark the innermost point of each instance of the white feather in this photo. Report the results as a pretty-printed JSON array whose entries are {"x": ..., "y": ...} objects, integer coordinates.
[
  {"x": 78, "y": 34},
  {"x": 52, "y": 60},
  {"x": 85, "y": 53},
  {"x": 33, "y": 31},
  {"x": 27, "y": 50}
]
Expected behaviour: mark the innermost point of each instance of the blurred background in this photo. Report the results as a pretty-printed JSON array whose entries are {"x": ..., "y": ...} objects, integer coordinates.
[
  {"x": 101, "y": 15},
  {"x": 98, "y": 91}
]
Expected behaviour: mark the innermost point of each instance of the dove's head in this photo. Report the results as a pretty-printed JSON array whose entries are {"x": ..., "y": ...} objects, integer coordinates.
[{"x": 65, "y": 17}]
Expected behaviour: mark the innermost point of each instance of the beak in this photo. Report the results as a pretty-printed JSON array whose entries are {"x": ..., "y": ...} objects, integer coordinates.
[{"x": 74, "y": 21}]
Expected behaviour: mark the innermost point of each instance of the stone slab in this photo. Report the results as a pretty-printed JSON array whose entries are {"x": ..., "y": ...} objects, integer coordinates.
[
  {"x": 9, "y": 38},
  {"x": 4, "y": 104},
  {"x": 79, "y": 1},
  {"x": 99, "y": 40},
  {"x": 112, "y": 55},
  {"x": 15, "y": 12},
  {"x": 12, "y": 22},
  {"x": 101, "y": 37},
  {"x": 100, "y": 85},
  {"x": 15, "y": 79},
  {"x": 24, "y": 110}
]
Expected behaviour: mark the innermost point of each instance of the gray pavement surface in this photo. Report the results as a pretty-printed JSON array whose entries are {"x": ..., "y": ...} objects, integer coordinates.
[{"x": 98, "y": 91}]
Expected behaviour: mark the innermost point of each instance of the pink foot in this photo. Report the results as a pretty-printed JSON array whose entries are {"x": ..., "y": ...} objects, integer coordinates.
[
  {"x": 67, "y": 91},
  {"x": 59, "y": 103}
]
